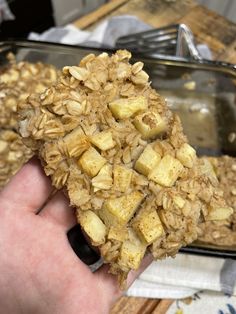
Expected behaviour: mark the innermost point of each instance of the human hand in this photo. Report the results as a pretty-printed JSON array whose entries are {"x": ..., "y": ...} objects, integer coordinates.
[{"x": 40, "y": 273}]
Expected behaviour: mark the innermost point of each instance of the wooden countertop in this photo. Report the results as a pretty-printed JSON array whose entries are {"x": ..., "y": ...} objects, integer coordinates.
[{"x": 208, "y": 27}]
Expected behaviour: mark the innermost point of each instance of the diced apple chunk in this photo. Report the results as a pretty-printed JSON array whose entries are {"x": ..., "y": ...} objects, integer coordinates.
[
  {"x": 93, "y": 226},
  {"x": 125, "y": 108},
  {"x": 167, "y": 171},
  {"x": 219, "y": 213},
  {"x": 147, "y": 160},
  {"x": 150, "y": 124},
  {"x": 122, "y": 178},
  {"x": 91, "y": 162},
  {"x": 118, "y": 211},
  {"x": 207, "y": 168},
  {"x": 132, "y": 252},
  {"x": 118, "y": 233},
  {"x": 148, "y": 226},
  {"x": 103, "y": 140},
  {"x": 186, "y": 154},
  {"x": 76, "y": 142},
  {"x": 103, "y": 180}
]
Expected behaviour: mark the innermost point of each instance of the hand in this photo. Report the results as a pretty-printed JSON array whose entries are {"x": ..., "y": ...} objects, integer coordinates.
[{"x": 40, "y": 273}]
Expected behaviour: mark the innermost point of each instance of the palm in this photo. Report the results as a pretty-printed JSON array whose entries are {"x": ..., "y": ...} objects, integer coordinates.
[{"x": 40, "y": 271}]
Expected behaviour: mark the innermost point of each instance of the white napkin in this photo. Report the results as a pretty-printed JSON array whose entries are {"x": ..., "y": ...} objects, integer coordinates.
[
  {"x": 184, "y": 275},
  {"x": 205, "y": 302},
  {"x": 5, "y": 12},
  {"x": 105, "y": 34}
]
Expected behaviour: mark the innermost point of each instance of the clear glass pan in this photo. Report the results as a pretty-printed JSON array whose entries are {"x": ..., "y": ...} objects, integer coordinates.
[{"x": 203, "y": 93}]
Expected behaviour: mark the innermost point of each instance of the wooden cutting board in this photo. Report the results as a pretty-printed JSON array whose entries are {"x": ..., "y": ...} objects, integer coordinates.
[{"x": 131, "y": 305}]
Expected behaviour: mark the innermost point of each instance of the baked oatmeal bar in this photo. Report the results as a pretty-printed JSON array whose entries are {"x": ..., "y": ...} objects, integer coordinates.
[
  {"x": 222, "y": 232},
  {"x": 106, "y": 136}
]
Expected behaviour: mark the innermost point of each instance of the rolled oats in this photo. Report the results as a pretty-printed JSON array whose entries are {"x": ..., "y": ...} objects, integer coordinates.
[
  {"x": 17, "y": 81},
  {"x": 222, "y": 233},
  {"x": 13, "y": 155},
  {"x": 97, "y": 152}
]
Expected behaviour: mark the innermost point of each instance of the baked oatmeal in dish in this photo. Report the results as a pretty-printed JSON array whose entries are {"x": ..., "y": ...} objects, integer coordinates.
[
  {"x": 108, "y": 138},
  {"x": 13, "y": 155},
  {"x": 222, "y": 232},
  {"x": 17, "y": 81}
]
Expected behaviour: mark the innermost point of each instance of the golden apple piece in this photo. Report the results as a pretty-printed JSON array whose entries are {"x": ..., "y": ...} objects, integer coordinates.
[
  {"x": 91, "y": 162},
  {"x": 118, "y": 211},
  {"x": 103, "y": 180},
  {"x": 118, "y": 233},
  {"x": 132, "y": 252},
  {"x": 150, "y": 124},
  {"x": 93, "y": 226},
  {"x": 186, "y": 154},
  {"x": 219, "y": 213},
  {"x": 125, "y": 108},
  {"x": 148, "y": 225},
  {"x": 76, "y": 142},
  {"x": 167, "y": 171},
  {"x": 147, "y": 160},
  {"x": 207, "y": 168},
  {"x": 103, "y": 140},
  {"x": 122, "y": 178}
]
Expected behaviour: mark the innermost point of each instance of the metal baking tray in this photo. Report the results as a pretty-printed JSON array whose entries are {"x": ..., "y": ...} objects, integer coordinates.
[{"x": 202, "y": 92}]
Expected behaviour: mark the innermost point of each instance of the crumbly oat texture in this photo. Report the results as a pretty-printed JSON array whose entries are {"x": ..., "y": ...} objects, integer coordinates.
[
  {"x": 106, "y": 136},
  {"x": 17, "y": 81},
  {"x": 222, "y": 233},
  {"x": 13, "y": 155}
]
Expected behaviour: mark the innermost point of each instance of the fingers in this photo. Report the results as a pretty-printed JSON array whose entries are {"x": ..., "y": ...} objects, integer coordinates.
[
  {"x": 134, "y": 274},
  {"x": 59, "y": 211},
  {"x": 109, "y": 282},
  {"x": 28, "y": 190}
]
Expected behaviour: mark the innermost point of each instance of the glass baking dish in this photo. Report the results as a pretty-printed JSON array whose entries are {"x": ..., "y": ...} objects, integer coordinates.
[{"x": 202, "y": 92}]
